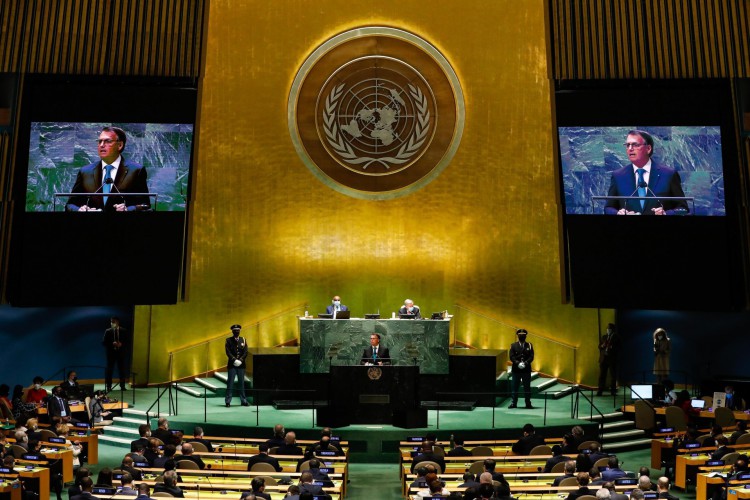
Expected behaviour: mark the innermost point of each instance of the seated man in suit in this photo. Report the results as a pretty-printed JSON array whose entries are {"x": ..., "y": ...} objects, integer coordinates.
[
  {"x": 58, "y": 408},
  {"x": 741, "y": 429},
  {"x": 583, "y": 486},
  {"x": 722, "y": 448},
  {"x": 111, "y": 174},
  {"x": 458, "y": 448},
  {"x": 306, "y": 485},
  {"x": 529, "y": 440},
  {"x": 644, "y": 178},
  {"x": 258, "y": 486},
  {"x": 318, "y": 476},
  {"x": 570, "y": 470},
  {"x": 187, "y": 454},
  {"x": 375, "y": 354},
  {"x": 427, "y": 455},
  {"x": 336, "y": 305},
  {"x": 410, "y": 309},
  {"x": 127, "y": 466},
  {"x": 198, "y": 438},
  {"x": 613, "y": 470},
  {"x": 556, "y": 458},
  {"x": 263, "y": 457},
  {"x": 290, "y": 445},
  {"x": 169, "y": 485}
]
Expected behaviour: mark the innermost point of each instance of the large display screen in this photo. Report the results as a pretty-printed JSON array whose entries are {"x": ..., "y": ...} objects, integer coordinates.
[
  {"x": 598, "y": 170},
  {"x": 61, "y": 151}
]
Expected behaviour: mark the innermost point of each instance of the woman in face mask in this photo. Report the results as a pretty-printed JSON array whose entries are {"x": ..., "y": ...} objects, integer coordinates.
[
  {"x": 36, "y": 393},
  {"x": 21, "y": 411}
]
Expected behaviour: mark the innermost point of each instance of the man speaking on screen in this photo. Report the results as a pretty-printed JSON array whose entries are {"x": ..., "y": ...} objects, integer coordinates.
[
  {"x": 111, "y": 176},
  {"x": 646, "y": 179}
]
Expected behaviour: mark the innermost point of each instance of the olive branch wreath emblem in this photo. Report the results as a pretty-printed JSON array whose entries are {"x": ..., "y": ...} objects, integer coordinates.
[{"x": 405, "y": 153}]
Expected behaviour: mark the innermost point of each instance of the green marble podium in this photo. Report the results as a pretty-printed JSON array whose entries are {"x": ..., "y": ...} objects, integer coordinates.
[{"x": 340, "y": 342}]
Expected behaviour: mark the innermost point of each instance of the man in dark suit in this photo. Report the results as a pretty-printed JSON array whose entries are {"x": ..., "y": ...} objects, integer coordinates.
[
  {"x": 336, "y": 305},
  {"x": 290, "y": 445},
  {"x": 647, "y": 179},
  {"x": 87, "y": 486},
  {"x": 187, "y": 454},
  {"x": 427, "y": 455},
  {"x": 236, "y": 350},
  {"x": 163, "y": 433},
  {"x": 529, "y": 440},
  {"x": 111, "y": 175},
  {"x": 306, "y": 484},
  {"x": 458, "y": 449},
  {"x": 613, "y": 470},
  {"x": 257, "y": 486},
  {"x": 263, "y": 457},
  {"x": 556, "y": 458},
  {"x": 375, "y": 354},
  {"x": 198, "y": 438},
  {"x": 58, "y": 408},
  {"x": 127, "y": 466},
  {"x": 608, "y": 351},
  {"x": 583, "y": 486},
  {"x": 722, "y": 448},
  {"x": 144, "y": 430},
  {"x": 410, "y": 309},
  {"x": 662, "y": 486},
  {"x": 318, "y": 476},
  {"x": 169, "y": 485},
  {"x": 521, "y": 355},
  {"x": 115, "y": 344}
]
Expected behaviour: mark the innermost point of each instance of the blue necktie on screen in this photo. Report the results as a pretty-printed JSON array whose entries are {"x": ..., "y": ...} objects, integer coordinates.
[
  {"x": 107, "y": 187},
  {"x": 375, "y": 354},
  {"x": 641, "y": 190}
]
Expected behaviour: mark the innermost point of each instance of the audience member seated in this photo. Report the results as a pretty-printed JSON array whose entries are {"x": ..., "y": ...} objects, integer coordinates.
[
  {"x": 529, "y": 440},
  {"x": 258, "y": 486},
  {"x": 58, "y": 409},
  {"x": 144, "y": 491},
  {"x": 164, "y": 435},
  {"x": 70, "y": 388},
  {"x": 468, "y": 481},
  {"x": 595, "y": 477},
  {"x": 427, "y": 455},
  {"x": 168, "y": 457},
  {"x": 127, "y": 466},
  {"x": 613, "y": 470},
  {"x": 318, "y": 476},
  {"x": 646, "y": 472},
  {"x": 741, "y": 429},
  {"x": 583, "y": 486},
  {"x": 198, "y": 438},
  {"x": 716, "y": 431},
  {"x": 556, "y": 458},
  {"x": 85, "y": 487},
  {"x": 290, "y": 445},
  {"x": 96, "y": 407},
  {"x": 458, "y": 448},
  {"x": 35, "y": 393},
  {"x": 144, "y": 430},
  {"x": 81, "y": 473},
  {"x": 434, "y": 487},
  {"x": 603, "y": 494},
  {"x": 570, "y": 470},
  {"x": 152, "y": 452},
  {"x": 263, "y": 457},
  {"x": 21, "y": 411},
  {"x": 306, "y": 484},
  {"x": 169, "y": 485},
  {"x": 420, "y": 481},
  {"x": 595, "y": 453},
  {"x": 310, "y": 448},
  {"x": 570, "y": 447},
  {"x": 278, "y": 437},
  {"x": 485, "y": 491},
  {"x": 722, "y": 448},
  {"x": 127, "y": 485},
  {"x": 104, "y": 478},
  {"x": 489, "y": 468},
  {"x": 187, "y": 454},
  {"x": 139, "y": 455},
  {"x": 32, "y": 429},
  {"x": 583, "y": 463},
  {"x": 644, "y": 483},
  {"x": 662, "y": 486},
  {"x": 22, "y": 440},
  {"x": 613, "y": 494},
  {"x": 578, "y": 435},
  {"x": 76, "y": 447}
]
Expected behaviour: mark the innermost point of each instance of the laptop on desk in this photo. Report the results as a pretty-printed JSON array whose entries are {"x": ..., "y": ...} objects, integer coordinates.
[
  {"x": 698, "y": 404},
  {"x": 343, "y": 315}
]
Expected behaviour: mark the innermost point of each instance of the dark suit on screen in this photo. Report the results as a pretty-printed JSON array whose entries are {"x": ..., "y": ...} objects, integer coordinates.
[
  {"x": 383, "y": 355},
  {"x": 130, "y": 178},
  {"x": 663, "y": 181}
]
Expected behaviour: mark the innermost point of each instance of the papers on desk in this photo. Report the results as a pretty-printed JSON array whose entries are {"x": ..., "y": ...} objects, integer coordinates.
[{"x": 717, "y": 474}]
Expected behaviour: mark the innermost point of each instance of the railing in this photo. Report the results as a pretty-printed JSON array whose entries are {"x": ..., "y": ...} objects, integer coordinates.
[
  {"x": 477, "y": 329},
  {"x": 167, "y": 388},
  {"x": 575, "y": 408},
  {"x": 254, "y": 393},
  {"x": 208, "y": 355}
]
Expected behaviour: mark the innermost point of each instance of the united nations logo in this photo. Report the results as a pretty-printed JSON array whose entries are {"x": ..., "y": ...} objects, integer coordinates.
[
  {"x": 374, "y": 373},
  {"x": 376, "y": 112}
]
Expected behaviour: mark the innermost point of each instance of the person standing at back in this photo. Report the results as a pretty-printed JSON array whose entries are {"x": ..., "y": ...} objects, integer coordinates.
[
  {"x": 521, "y": 355},
  {"x": 236, "y": 350}
]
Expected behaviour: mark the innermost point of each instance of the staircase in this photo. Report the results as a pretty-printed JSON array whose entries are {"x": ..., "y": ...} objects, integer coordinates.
[
  {"x": 124, "y": 430},
  {"x": 619, "y": 433},
  {"x": 211, "y": 387}
]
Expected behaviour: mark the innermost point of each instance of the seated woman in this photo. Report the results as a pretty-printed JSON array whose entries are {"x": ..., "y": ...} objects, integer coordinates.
[
  {"x": 21, "y": 411},
  {"x": 76, "y": 447}
]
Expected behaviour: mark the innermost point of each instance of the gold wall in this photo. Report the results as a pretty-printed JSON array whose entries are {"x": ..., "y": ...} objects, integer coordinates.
[{"x": 483, "y": 234}]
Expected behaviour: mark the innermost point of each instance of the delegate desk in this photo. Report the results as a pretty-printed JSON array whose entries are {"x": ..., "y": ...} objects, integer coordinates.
[
  {"x": 39, "y": 476},
  {"x": 709, "y": 415},
  {"x": 340, "y": 342},
  {"x": 513, "y": 464},
  {"x": 81, "y": 408},
  {"x": 231, "y": 462},
  {"x": 10, "y": 490},
  {"x": 706, "y": 479}
]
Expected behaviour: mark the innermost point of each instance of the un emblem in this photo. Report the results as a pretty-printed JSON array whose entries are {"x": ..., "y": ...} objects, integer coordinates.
[
  {"x": 376, "y": 112},
  {"x": 374, "y": 373}
]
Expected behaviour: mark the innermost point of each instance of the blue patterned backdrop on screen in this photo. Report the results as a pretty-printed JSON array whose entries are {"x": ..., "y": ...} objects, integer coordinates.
[
  {"x": 58, "y": 150},
  {"x": 589, "y": 155}
]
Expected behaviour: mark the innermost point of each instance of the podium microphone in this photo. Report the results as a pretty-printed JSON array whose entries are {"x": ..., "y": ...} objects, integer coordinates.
[{"x": 644, "y": 184}]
